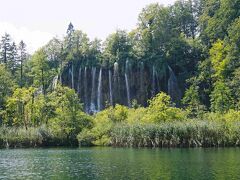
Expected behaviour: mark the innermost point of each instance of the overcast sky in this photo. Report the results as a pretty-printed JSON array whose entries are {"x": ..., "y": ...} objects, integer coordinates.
[{"x": 37, "y": 21}]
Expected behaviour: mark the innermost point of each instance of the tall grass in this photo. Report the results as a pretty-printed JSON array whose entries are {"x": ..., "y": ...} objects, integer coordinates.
[
  {"x": 192, "y": 133},
  {"x": 12, "y": 137}
]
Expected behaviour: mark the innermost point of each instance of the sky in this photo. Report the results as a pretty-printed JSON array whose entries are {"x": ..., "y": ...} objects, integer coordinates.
[{"x": 37, "y": 21}]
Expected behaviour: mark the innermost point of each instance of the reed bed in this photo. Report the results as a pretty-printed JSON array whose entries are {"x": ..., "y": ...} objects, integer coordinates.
[
  {"x": 194, "y": 133},
  {"x": 13, "y": 137}
]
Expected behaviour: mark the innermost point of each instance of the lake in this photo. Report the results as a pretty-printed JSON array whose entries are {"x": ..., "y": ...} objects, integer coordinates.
[{"x": 120, "y": 163}]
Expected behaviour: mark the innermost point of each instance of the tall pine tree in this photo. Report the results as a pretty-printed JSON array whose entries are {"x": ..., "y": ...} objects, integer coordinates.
[
  {"x": 22, "y": 58},
  {"x": 5, "y": 48}
]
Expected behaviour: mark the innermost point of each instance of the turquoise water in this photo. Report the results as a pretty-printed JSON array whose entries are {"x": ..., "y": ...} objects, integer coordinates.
[{"x": 120, "y": 163}]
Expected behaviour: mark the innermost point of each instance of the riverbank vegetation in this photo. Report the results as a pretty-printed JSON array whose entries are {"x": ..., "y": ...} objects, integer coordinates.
[
  {"x": 161, "y": 125},
  {"x": 188, "y": 52}
]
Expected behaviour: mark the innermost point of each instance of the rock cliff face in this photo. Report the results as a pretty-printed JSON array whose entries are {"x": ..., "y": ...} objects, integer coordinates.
[{"x": 99, "y": 87}]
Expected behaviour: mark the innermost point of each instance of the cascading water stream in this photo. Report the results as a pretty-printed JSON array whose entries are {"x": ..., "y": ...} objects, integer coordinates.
[
  {"x": 127, "y": 84},
  {"x": 110, "y": 86},
  {"x": 115, "y": 82},
  {"x": 93, "y": 92},
  {"x": 72, "y": 76},
  {"x": 54, "y": 82},
  {"x": 118, "y": 84},
  {"x": 141, "y": 78},
  {"x": 173, "y": 89},
  {"x": 60, "y": 78},
  {"x": 79, "y": 81},
  {"x": 85, "y": 89},
  {"x": 153, "y": 82},
  {"x": 99, "y": 93}
]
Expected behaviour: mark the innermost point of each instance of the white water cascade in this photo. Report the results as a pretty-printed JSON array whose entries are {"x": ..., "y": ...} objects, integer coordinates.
[
  {"x": 99, "y": 93},
  {"x": 141, "y": 78},
  {"x": 127, "y": 84},
  {"x": 110, "y": 87},
  {"x": 72, "y": 76},
  {"x": 115, "y": 82},
  {"x": 173, "y": 89},
  {"x": 79, "y": 81},
  {"x": 153, "y": 82},
  {"x": 93, "y": 92},
  {"x": 85, "y": 89},
  {"x": 54, "y": 82}
]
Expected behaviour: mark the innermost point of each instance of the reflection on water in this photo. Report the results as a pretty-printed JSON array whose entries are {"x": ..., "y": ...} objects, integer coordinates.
[{"x": 120, "y": 163}]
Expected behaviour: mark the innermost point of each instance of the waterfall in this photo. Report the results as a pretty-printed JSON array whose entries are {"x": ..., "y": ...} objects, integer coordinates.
[
  {"x": 141, "y": 92},
  {"x": 69, "y": 75},
  {"x": 127, "y": 88},
  {"x": 38, "y": 91},
  {"x": 141, "y": 77},
  {"x": 110, "y": 86},
  {"x": 54, "y": 82},
  {"x": 99, "y": 93},
  {"x": 79, "y": 81},
  {"x": 127, "y": 84},
  {"x": 60, "y": 78},
  {"x": 85, "y": 89},
  {"x": 173, "y": 89},
  {"x": 72, "y": 77},
  {"x": 153, "y": 82},
  {"x": 92, "y": 105},
  {"x": 115, "y": 71},
  {"x": 116, "y": 92}
]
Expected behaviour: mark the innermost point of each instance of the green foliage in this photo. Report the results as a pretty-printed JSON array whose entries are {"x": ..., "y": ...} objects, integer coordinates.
[
  {"x": 217, "y": 16},
  {"x": 6, "y": 88},
  {"x": 68, "y": 119},
  {"x": 136, "y": 115},
  {"x": 99, "y": 133},
  {"x": 13, "y": 137},
  {"x": 118, "y": 113},
  {"x": 20, "y": 137},
  {"x": 19, "y": 106},
  {"x": 199, "y": 39},
  {"x": 221, "y": 98},
  {"x": 192, "y": 102},
  {"x": 117, "y": 47},
  {"x": 230, "y": 116},
  {"x": 160, "y": 110},
  {"x": 234, "y": 85},
  {"x": 40, "y": 69},
  {"x": 219, "y": 59},
  {"x": 60, "y": 110},
  {"x": 191, "y": 133}
]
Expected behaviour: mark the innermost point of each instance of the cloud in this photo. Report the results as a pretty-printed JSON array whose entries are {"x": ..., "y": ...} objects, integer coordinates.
[{"x": 33, "y": 38}]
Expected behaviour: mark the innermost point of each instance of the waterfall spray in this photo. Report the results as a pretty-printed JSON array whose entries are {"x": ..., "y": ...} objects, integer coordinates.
[
  {"x": 173, "y": 89},
  {"x": 99, "y": 90},
  {"x": 72, "y": 75},
  {"x": 85, "y": 89},
  {"x": 79, "y": 81},
  {"x": 93, "y": 93},
  {"x": 115, "y": 82},
  {"x": 141, "y": 77},
  {"x": 153, "y": 82},
  {"x": 60, "y": 78},
  {"x": 127, "y": 84},
  {"x": 54, "y": 82},
  {"x": 141, "y": 83},
  {"x": 110, "y": 86}
]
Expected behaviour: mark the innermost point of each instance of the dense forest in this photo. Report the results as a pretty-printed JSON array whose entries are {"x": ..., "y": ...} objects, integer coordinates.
[{"x": 172, "y": 81}]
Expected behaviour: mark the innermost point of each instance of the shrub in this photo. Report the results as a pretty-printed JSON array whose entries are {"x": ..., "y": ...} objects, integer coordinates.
[{"x": 161, "y": 110}]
